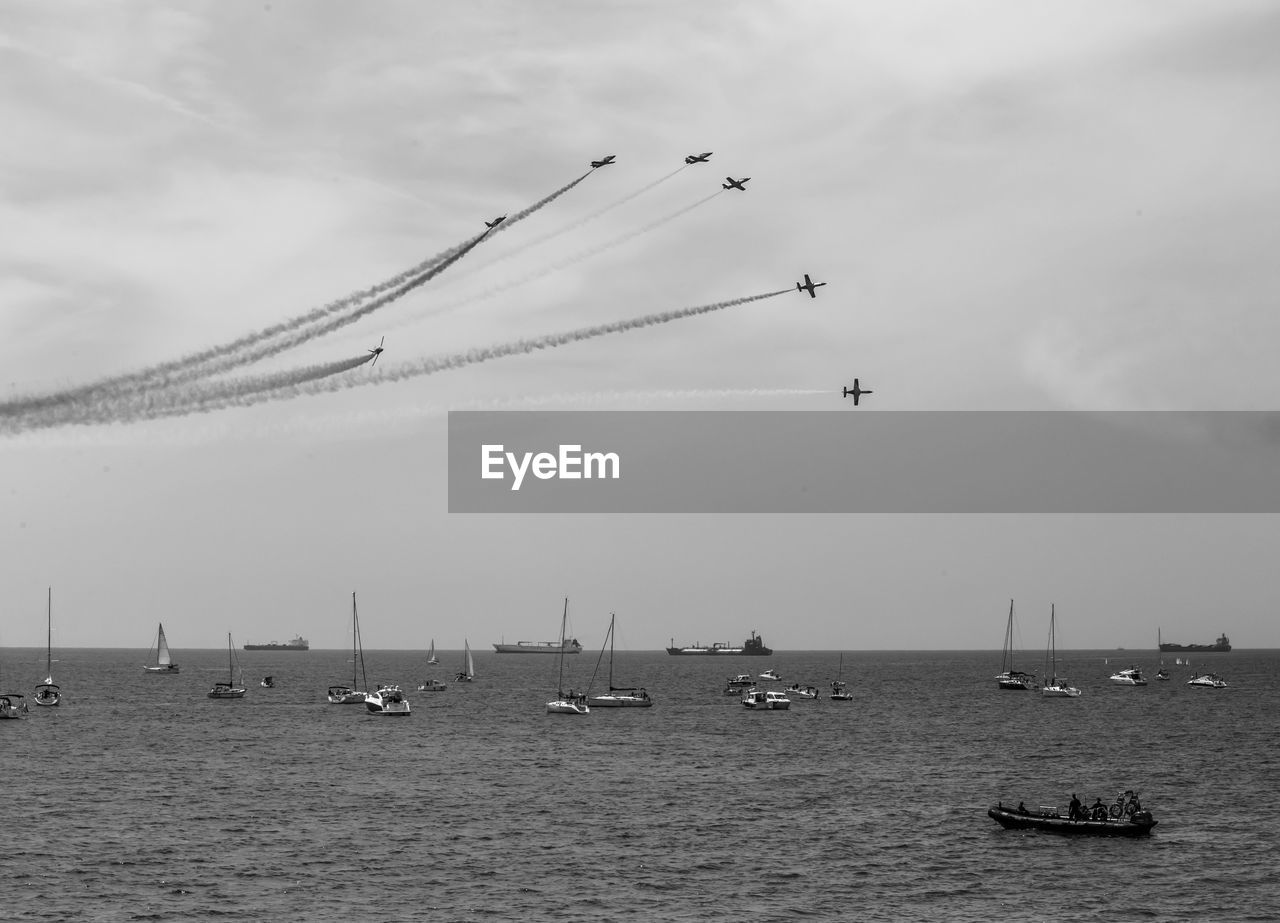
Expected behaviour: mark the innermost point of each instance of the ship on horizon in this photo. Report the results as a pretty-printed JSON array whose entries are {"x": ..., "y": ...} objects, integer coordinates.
[
  {"x": 1221, "y": 646},
  {"x": 569, "y": 646},
  {"x": 297, "y": 644},
  {"x": 752, "y": 647}
]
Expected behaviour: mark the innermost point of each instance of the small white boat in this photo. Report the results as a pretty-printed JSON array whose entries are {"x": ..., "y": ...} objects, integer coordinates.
[
  {"x": 1130, "y": 677},
  {"x": 571, "y": 704},
  {"x": 796, "y": 691},
  {"x": 468, "y": 672},
  {"x": 340, "y": 693},
  {"x": 761, "y": 700},
  {"x": 12, "y": 705},
  {"x": 268, "y": 682},
  {"x": 1209, "y": 680},
  {"x": 771, "y": 675},
  {"x": 48, "y": 693},
  {"x": 431, "y": 685},
  {"x": 163, "y": 661},
  {"x": 742, "y": 680},
  {"x": 230, "y": 689},
  {"x": 1056, "y": 687},
  {"x": 839, "y": 688},
  {"x": 388, "y": 700}
]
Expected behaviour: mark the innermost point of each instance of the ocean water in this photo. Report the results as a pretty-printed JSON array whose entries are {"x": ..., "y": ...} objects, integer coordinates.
[{"x": 141, "y": 799}]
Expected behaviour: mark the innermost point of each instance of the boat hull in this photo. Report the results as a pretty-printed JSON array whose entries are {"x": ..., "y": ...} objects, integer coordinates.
[
  {"x": 1139, "y": 824},
  {"x": 568, "y": 707},
  {"x": 538, "y": 647},
  {"x": 171, "y": 668},
  {"x": 620, "y": 701}
]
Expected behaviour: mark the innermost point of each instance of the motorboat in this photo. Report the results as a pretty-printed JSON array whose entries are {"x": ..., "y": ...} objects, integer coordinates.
[
  {"x": 762, "y": 700},
  {"x": 431, "y": 685},
  {"x": 742, "y": 680},
  {"x": 12, "y": 705},
  {"x": 795, "y": 690},
  {"x": 388, "y": 700},
  {"x": 268, "y": 682},
  {"x": 1211, "y": 680},
  {"x": 771, "y": 675},
  {"x": 1051, "y": 819},
  {"x": 1130, "y": 677}
]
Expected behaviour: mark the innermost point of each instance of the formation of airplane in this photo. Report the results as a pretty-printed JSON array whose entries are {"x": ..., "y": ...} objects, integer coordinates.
[
  {"x": 856, "y": 391},
  {"x": 699, "y": 158},
  {"x": 377, "y": 352},
  {"x": 735, "y": 183},
  {"x": 603, "y": 163},
  {"x": 495, "y": 222},
  {"x": 809, "y": 286}
]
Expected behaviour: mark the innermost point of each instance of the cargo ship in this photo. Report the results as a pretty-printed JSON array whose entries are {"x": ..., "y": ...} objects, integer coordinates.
[
  {"x": 297, "y": 644},
  {"x": 1221, "y": 646},
  {"x": 752, "y": 647},
  {"x": 570, "y": 646}
]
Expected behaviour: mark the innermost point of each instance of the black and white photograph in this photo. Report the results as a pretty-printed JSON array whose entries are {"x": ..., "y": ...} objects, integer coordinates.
[{"x": 773, "y": 460}]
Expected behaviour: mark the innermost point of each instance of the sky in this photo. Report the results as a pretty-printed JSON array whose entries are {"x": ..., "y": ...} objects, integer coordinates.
[{"x": 1016, "y": 206}]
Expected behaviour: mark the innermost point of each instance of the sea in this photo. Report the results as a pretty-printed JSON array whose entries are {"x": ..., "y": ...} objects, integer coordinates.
[{"x": 141, "y": 799}]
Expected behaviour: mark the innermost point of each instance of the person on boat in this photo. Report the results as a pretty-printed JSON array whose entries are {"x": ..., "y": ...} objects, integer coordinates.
[
  {"x": 1022, "y": 808},
  {"x": 1099, "y": 810},
  {"x": 1073, "y": 813}
]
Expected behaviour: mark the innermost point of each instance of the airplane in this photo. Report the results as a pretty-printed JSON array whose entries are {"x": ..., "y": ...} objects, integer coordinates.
[
  {"x": 857, "y": 392},
  {"x": 378, "y": 352},
  {"x": 809, "y": 286},
  {"x": 699, "y": 158},
  {"x": 603, "y": 163},
  {"x": 735, "y": 183},
  {"x": 495, "y": 222}
]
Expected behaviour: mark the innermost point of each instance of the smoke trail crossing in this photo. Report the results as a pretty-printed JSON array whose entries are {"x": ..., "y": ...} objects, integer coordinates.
[
  {"x": 233, "y": 354},
  {"x": 568, "y": 261}
]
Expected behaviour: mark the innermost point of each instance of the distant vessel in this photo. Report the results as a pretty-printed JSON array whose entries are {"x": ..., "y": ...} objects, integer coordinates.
[
  {"x": 297, "y": 644},
  {"x": 48, "y": 693},
  {"x": 230, "y": 689},
  {"x": 540, "y": 647},
  {"x": 1010, "y": 678},
  {"x": 1221, "y": 646},
  {"x": 468, "y": 671},
  {"x": 163, "y": 662},
  {"x": 618, "y": 696},
  {"x": 340, "y": 693},
  {"x": 571, "y": 704},
  {"x": 753, "y": 647}
]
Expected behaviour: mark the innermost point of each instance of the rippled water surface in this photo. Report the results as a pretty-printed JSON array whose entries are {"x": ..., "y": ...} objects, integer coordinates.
[{"x": 141, "y": 799}]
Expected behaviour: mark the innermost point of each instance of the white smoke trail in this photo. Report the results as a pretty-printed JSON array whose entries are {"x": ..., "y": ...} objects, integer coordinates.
[
  {"x": 566, "y": 262},
  {"x": 574, "y": 225},
  {"x": 250, "y": 391},
  {"x": 237, "y": 353}
]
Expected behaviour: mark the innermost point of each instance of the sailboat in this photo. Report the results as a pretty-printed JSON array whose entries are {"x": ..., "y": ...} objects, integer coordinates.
[
  {"x": 1161, "y": 673},
  {"x": 432, "y": 685},
  {"x": 468, "y": 664},
  {"x": 618, "y": 696},
  {"x": 1055, "y": 687},
  {"x": 431, "y": 654},
  {"x": 230, "y": 689},
  {"x": 566, "y": 704},
  {"x": 1010, "y": 678},
  {"x": 839, "y": 688},
  {"x": 351, "y": 695},
  {"x": 13, "y": 705},
  {"x": 163, "y": 663},
  {"x": 48, "y": 693}
]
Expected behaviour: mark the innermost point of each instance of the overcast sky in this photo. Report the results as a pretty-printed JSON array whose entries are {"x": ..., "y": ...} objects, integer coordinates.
[{"x": 1033, "y": 205}]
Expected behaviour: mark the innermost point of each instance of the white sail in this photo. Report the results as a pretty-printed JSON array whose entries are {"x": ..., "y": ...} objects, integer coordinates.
[
  {"x": 471, "y": 664},
  {"x": 431, "y": 654},
  {"x": 162, "y": 653}
]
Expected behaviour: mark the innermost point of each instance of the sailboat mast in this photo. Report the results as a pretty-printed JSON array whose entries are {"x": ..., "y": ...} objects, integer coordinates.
[
  {"x": 612, "y": 616},
  {"x": 48, "y": 658},
  {"x": 563, "y": 620},
  {"x": 353, "y": 640}
]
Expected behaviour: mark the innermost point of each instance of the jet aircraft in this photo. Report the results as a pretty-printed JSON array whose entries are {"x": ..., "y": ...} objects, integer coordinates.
[
  {"x": 735, "y": 183},
  {"x": 856, "y": 391},
  {"x": 699, "y": 158},
  {"x": 377, "y": 352},
  {"x": 809, "y": 286},
  {"x": 603, "y": 163},
  {"x": 495, "y": 222}
]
